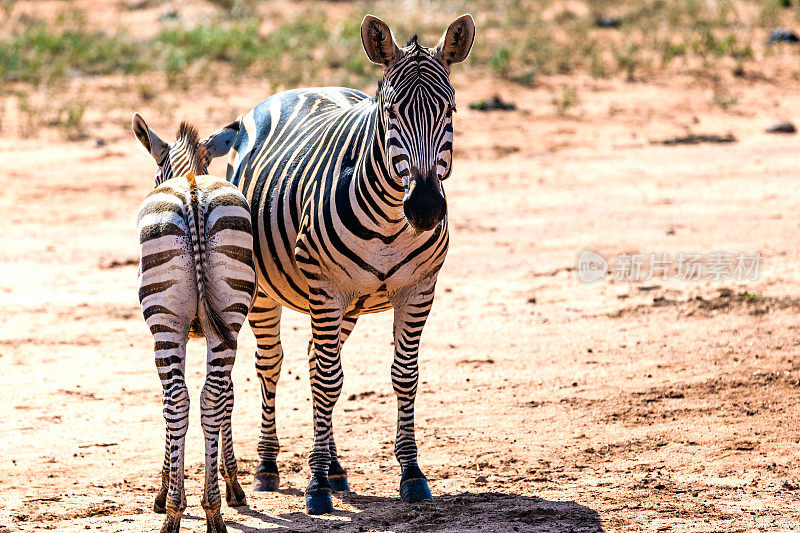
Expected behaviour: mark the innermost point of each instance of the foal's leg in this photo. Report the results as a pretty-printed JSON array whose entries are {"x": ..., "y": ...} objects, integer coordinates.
[
  {"x": 265, "y": 321},
  {"x": 336, "y": 474},
  {"x": 234, "y": 494},
  {"x": 170, "y": 360},
  {"x": 215, "y": 400},
  {"x": 159, "y": 505}
]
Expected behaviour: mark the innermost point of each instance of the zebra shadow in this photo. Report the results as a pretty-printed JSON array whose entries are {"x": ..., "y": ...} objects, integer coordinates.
[{"x": 467, "y": 511}]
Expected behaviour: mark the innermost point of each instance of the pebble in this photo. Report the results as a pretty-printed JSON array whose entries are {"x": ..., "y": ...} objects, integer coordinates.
[
  {"x": 784, "y": 126},
  {"x": 782, "y": 35},
  {"x": 493, "y": 104},
  {"x": 604, "y": 21},
  {"x": 481, "y": 479}
]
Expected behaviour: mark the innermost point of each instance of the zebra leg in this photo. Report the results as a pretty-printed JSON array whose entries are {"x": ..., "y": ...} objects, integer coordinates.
[
  {"x": 234, "y": 494},
  {"x": 325, "y": 372},
  {"x": 214, "y": 404},
  {"x": 170, "y": 360},
  {"x": 159, "y": 505},
  {"x": 409, "y": 319},
  {"x": 265, "y": 321},
  {"x": 336, "y": 474}
]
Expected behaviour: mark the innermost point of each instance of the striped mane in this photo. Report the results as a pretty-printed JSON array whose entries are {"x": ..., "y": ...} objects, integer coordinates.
[{"x": 198, "y": 155}]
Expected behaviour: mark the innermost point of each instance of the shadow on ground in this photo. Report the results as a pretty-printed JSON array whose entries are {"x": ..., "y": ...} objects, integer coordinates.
[{"x": 457, "y": 512}]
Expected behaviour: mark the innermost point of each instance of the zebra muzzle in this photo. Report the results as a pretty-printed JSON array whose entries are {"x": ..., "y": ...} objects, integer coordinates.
[{"x": 424, "y": 204}]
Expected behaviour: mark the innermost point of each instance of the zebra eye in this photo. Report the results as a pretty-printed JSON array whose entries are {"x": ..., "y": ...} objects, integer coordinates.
[
  {"x": 390, "y": 112},
  {"x": 450, "y": 110}
]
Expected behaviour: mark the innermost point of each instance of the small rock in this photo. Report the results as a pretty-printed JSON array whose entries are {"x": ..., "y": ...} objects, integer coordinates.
[
  {"x": 532, "y": 300},
  {"x": 136, "y": 5},
  {"x": 99, "y": 143},
  {"x": 605, "y": 21},
  {"x": 784, "y": 126},
  {"x": 481, "y": 479},
  {"x": 170, "y": 14},
  {"x": 492, "y": 104},
  {"x": 694, "y": 138},
  {"x": 782, "y": 35}
]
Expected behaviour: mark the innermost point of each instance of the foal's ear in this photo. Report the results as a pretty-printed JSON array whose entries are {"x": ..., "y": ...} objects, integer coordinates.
[
  {"x": 378, "y": 41},
  {"x": 456, "y": 42},
  {"x": 219, "y": 142},
  {"x": 151, "y": 142}
]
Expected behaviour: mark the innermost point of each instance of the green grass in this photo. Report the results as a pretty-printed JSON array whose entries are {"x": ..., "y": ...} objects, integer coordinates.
[
  {"x": 515, "y": 41},
  {"x": 568, "y": 100},
  {"x": 39, "y": 54}
]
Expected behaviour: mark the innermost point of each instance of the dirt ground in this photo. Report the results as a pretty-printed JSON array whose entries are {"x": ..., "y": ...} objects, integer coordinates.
[{"x": 545, "y": 404}]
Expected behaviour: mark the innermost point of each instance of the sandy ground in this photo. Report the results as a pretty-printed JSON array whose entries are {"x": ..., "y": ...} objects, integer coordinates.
[{"x": 545, "y": 404}]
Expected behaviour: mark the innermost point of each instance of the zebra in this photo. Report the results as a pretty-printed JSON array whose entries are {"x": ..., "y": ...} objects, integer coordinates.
[
  {"x": 349, "y": 214},
  {"x": 196, "y": 276}
]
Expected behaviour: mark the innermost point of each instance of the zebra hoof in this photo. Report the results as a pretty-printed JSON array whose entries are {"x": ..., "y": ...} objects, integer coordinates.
[
  {"x": 318, "y": 496},
  {"x": 266, "y": 478},
  {"x": 160, "y": 504},
  {"x": 414, "y": 486},
  {"x": 338, "y": 478},
  {"x": 234, "y": 494}
]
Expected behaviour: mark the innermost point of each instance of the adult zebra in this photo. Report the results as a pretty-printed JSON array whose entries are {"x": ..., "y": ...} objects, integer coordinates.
[{"x": 350, "y": 218}]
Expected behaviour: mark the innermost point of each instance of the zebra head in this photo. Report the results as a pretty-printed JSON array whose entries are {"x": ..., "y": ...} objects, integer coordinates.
[
  {"x": 183, "y": 157},
  {"x": 416, "y": 104}
]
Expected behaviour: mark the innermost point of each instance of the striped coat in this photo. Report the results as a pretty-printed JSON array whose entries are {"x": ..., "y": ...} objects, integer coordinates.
[
  {"x": 349, "y": 216},
  {"x": 196, "y": 275}
]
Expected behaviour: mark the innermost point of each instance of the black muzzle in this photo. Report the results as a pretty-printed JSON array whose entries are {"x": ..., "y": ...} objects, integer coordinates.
[{"x": 424, "y": 203}]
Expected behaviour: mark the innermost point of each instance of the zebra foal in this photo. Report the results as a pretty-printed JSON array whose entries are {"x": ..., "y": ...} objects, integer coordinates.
[
  {"x": 196, "y": 275},
  {"x": 349, "y": 217}
]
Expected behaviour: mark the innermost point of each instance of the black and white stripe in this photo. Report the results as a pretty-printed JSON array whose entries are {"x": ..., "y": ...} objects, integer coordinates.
[
  {"x": 349, "y": 218},
  {"x": 196, "y": 275}
]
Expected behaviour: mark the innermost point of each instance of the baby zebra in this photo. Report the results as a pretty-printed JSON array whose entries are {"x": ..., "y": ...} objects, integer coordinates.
[{"x": 196, "y": 276}]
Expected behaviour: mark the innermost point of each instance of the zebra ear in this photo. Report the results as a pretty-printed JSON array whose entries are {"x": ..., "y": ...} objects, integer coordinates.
[
  {"x": 219, "y": 142},
  {"x": 151, "y": 142},
  {"x": 378, "y": 41},
  {"x": 456, "y": 42}
]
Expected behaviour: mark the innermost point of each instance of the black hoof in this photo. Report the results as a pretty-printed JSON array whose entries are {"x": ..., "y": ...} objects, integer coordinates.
[
  {"x": 214, "y": 523},
  {"x": 160, "y": 505},
  {"x": 234, "y": 494},
  {"x": 338, "y": 478},
  {"x": 318, "y": 496},
  {"x": 414, "y": 486},
  {"x": 266, "y": 478}
]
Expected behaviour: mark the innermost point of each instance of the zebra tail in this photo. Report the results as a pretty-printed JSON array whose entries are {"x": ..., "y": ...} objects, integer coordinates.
[{"x": 197, "y": 232}]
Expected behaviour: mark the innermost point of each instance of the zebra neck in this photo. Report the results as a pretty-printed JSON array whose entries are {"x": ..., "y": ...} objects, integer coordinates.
[{"x": 376, "y": 190}]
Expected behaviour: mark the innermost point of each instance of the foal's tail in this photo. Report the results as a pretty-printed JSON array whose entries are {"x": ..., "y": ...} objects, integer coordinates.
[{"x": 200, "y": 158}]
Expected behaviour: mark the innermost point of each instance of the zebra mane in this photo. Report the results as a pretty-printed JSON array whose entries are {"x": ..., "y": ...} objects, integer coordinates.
[
  {"x": 197, "y": 153},
  {"x": 413, "y": 41}
]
